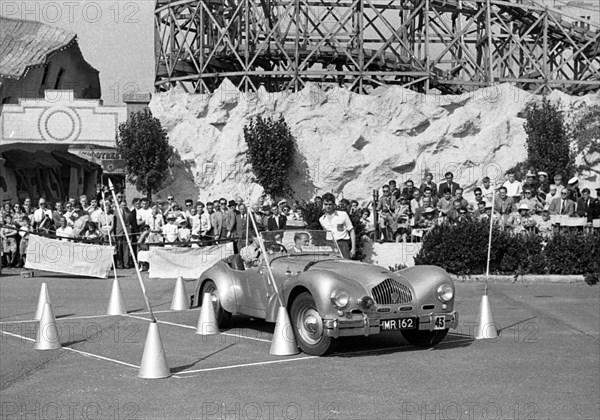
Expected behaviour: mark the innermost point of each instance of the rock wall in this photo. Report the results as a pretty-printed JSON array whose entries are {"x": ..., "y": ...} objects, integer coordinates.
[{"x": 348, "y": 143}]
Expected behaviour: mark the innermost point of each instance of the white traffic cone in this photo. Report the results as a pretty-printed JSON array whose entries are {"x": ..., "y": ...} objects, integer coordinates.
[
  {"x": 116, "y": 304},
  {"x": 154, "y": 361},
  {"x": 486, "y": 327},
  {"x": 179, "y": 301},
  {"x": 47, "y": 334},
  {"x": 207, "y": 323},
  {"x": 42, "y": 300},
  {"x": 284, "y": 342}
]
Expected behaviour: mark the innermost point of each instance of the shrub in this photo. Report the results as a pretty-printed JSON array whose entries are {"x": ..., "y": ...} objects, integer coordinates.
[
  {"x": 548, "y": 144},
  {"x": 572, "y": 253},
  {"x": 462, "y": 250},
  {"x": 270, "y": 152},
  {"x": 144, "y": 146}
]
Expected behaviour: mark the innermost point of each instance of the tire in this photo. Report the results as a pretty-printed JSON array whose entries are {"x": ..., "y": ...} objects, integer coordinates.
[
  {"x": 424, "y": 338},
  {"x": 221, "y": 314},
  {"x": 308, "y": 327}
]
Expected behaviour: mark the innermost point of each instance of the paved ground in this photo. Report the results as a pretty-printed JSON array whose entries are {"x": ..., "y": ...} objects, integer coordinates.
[{"x": 545, "y": 364}]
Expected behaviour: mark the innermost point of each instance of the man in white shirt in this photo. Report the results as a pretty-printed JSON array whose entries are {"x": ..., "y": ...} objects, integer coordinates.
[
  {"x": 513, "y": 188},
  {"x": 143, "y": 214},
  {"x": 64, "y": 231},
  {"x": 338, "y": 223},
  {"x": 42, "y": 216},
  {"x": 486, "y": 189}
]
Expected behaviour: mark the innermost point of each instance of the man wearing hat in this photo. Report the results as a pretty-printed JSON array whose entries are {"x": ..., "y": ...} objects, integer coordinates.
[
  {"x": 229, "y": 218},
  {"x": 521, "y": 221},
  {"x": 574, "y": 193},
  {"x": 530, "y": 183},
  {"x": 544, "y": 185}
]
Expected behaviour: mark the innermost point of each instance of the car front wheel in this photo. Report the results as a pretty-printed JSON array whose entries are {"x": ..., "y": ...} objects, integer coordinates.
[
  {"x": 308, "y": 327},
  {"x": 221, "y": 314},
  {"x": 424, "y": 338}
]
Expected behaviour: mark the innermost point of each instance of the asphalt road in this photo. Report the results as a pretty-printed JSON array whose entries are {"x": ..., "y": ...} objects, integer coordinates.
[{"x": 544, "y": 365}]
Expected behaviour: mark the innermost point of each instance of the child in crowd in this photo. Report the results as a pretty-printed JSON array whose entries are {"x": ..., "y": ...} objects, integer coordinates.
[
  {"x": 24, "y": 230},
  {"x": 9, "y": 241},
  {"x": 143, "y": 254}
]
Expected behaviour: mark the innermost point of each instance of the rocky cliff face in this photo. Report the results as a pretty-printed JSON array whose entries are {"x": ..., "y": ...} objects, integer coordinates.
[{"x": 348, "y": 144}]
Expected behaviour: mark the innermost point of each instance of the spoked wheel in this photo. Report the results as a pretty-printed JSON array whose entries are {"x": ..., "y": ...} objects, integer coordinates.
[
  {"x": 424, "y": 338},
  {"x": 221, "y": 314},
  {"x": 308, "y": 327}
]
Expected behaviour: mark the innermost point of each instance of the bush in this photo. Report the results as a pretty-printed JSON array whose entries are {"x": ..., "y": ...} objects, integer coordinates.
[
  {"x": 144, "y": 145},
  {"x": 271, "y": 148},
  {"x": 462, "y": 250},
  {"x": 548, "y": 144}
]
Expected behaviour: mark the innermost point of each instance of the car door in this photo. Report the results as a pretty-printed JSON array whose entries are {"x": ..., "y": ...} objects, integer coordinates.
[{"x": 254, "y": 299}]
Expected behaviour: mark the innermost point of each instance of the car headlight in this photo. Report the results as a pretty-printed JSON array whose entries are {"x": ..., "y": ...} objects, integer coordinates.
[
  {"x": 365, "y": 303},
  {"x": 445, "y": 292},
  {"x": 340, "y": 299}
]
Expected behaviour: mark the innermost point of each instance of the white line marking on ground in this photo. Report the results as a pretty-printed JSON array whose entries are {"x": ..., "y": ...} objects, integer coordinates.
[
  {"x": 84, "y": 353},
  {"x": 193, "y": 328},
  {"x": 246, "y": 365}
]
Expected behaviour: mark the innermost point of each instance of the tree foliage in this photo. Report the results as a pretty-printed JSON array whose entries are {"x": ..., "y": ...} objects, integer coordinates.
[
  {"x": 144, "y": 146},
  {"x": 548, "y": 143},
  {"x": 585, "y": 132},
  {"x": 271, "y": 148}
]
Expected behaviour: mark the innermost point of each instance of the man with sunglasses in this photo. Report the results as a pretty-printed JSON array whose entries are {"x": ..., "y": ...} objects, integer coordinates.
[
  {"x": 562, "y": 205},
  {"x": 42, "y": 216}
]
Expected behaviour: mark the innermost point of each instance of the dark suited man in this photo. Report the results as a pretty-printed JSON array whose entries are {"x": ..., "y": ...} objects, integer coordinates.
[
  {"x": 562, "y": 204},
  {"x": 585, "y": 205},
  {"x": 119, "y": 229},
  {"x": 448, "y": 185},
  {"x": 276, "y": 221}
]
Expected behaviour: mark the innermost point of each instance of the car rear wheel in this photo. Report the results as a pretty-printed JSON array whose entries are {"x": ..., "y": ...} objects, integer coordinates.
[
  {"x": 308, "y": 327},
  {"x": 424, "y": 338},
  {"x": 221, "y": 314}
]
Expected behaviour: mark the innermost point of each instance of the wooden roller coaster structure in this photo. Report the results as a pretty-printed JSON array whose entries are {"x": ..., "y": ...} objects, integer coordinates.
[{"x": 450, "y": 45}]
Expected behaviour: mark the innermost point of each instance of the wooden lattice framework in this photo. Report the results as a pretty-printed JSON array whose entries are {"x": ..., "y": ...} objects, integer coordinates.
[{"x": 451, "y": 45}]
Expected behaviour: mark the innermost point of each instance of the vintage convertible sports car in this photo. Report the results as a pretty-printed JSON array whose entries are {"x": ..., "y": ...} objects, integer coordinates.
[{"x": 328, "y": 296}]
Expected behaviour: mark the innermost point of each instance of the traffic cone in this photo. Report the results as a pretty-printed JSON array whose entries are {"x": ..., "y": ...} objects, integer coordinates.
[
  {"x": 284, "y": 342},
  {"x": 207, "y": 323},
  {"x": 154, "y": 361},
  {"x": 42, "y": 300},
  {"x": 47, "y": 334},
  {"x": 485, "y": 327},
  {"x": 116, "y": 304},
  {"x": 179, "y": 301}
]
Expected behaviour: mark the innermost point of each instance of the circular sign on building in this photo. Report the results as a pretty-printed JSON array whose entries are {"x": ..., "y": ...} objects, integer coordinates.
[{"x": 60, "y": 124}]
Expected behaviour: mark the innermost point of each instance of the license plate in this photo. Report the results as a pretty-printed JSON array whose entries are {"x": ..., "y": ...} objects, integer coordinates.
[
  {"x": 398, "y": 324},
  {"x": 439, "y": 323}
]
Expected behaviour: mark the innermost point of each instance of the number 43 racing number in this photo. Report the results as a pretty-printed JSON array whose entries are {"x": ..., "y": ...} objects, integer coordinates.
[{"x": 439, "y": 323}]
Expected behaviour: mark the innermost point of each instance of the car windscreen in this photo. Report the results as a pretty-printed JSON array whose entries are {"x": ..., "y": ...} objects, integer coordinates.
[{"x": 300, "y": 242}]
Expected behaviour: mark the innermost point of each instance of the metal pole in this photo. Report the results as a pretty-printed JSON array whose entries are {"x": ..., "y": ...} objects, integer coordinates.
[
  {"x": 137, "y": 268},
  {"x": 109, "y": 239},
  {"x": 487, "y": 269},
  {"x": 264, "y": 252}
]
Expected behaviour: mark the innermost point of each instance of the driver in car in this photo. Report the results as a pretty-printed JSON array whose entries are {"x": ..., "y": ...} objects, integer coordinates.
[
  {"x": 251, "y": 254},
  {"x": 300, "y": 239}
]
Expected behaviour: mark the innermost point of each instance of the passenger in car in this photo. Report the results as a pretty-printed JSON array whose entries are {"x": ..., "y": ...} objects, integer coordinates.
[{"x": 300, "y": 239}]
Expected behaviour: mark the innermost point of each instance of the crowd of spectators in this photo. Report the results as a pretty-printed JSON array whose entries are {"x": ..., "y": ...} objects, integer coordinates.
[
  {"x": 409, "y": 212},
  {"x": 404, "y": 213}
]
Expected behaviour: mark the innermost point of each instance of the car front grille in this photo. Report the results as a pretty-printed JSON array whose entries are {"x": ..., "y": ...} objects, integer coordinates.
[{"x": 391, "y": 292}]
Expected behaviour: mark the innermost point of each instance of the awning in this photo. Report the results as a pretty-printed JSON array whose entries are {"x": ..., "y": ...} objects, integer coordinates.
[
  {"x": 21, "y": 159},
  {"x": 74, "y": 160}
]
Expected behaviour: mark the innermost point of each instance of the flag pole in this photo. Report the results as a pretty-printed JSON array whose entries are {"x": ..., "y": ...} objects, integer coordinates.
[
  {"x": 109, "y": 239},
  {"x": 489, "y": 251},
  {"x": 135, "y": 263},
  {"x": 264, "y": 252}
]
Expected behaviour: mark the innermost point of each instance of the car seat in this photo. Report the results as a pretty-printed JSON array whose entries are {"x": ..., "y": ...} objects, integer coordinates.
[{"x": 237, "y": 263}]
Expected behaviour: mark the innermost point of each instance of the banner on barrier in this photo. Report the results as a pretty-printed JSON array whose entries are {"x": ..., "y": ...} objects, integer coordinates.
[
  {"x": 68, "y": 257},
  {"x": 188, "y": 263},
  {"x": 390, "y": 253}
]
